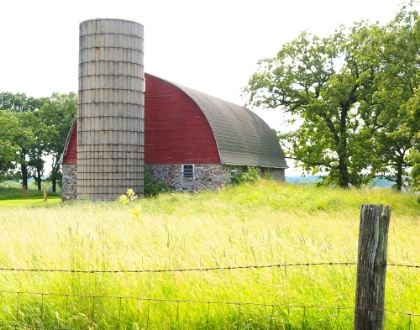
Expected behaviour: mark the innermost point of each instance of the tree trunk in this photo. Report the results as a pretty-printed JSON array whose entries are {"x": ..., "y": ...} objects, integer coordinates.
[
  {"x": 343, "y": 171},
  {"x": 53, "y": 176},
  {"x": 24, "y": 170},
  {"x": 399, "y": 179},
  {"x": 342, "y": 151},
  {"x": 38, "y": 178}
]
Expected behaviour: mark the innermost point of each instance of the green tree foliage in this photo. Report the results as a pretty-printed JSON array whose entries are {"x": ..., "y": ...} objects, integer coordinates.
[
  {"x": 43, "y": 135},
  {"x": 412, "y": 108},
  {"x": 347, "y": 93},
  {"x": 34, "y": 129},
  {"x": 396, "y": 84},
  {"x": 19, "y": 139},
  {"x": 9, "y": 150},
  {"x": 58, "y": 113},
  {"x": 320, "y": 82},
  {"x": 19, "y": 102},
  {"x": 31, "y": 141}
]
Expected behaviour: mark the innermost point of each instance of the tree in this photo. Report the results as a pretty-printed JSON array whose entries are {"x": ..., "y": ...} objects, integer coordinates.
[
  {"x": 351, "y": 91},
  {"x": 401, "y": 62},
  {"x": 42, "y": 128},
  {"x": 19, "y": 102},
  {"x": 27, "y": 135},
  {"x": 42, "y": 137},
  {"x": 28, "y": 140},
  {"x": 413, "y": 110},
  {"x": 9, "y": 150},
  {"x": 321, "y": 83},
  {"x": 17, "y": 139},
  {"x": 58, "y": 113}
]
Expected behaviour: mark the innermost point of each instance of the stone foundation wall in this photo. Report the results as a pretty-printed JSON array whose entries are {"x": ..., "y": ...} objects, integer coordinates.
[
  {"x": 69, "y": 187},
  {"x": 205, "y": 177}
]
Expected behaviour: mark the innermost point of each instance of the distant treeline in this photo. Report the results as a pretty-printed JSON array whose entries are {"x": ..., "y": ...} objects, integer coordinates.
[{"x": 313, "y": 179}]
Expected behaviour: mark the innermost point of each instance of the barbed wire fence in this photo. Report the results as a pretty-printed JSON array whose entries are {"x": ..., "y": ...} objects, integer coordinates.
[
  {"x": 196, "y": 269},
  {"x": 274, "y": 315},
  {"x": 238, "y": 305}
]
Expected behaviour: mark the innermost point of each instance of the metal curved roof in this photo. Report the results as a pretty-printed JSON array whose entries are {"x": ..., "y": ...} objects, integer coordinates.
[{"x": 243, "y": 138}]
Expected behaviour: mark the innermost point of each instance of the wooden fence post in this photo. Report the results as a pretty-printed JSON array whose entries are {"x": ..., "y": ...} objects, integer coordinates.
[
  {"x": 371, "y": 267},
  {"x": 45, "y": 192}
]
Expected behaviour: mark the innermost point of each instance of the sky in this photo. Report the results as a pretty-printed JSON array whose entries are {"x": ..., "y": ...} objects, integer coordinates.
[{"x": 210, "y": 46}]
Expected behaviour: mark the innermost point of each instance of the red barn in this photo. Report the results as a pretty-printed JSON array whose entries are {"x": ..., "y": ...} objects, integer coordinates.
[{"x": 193, "y": 141}]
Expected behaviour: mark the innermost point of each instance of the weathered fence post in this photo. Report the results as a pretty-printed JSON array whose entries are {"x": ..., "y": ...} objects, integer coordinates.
[
  {"x": 371, "y": 267},
  {"x": 45, "y": 192}
]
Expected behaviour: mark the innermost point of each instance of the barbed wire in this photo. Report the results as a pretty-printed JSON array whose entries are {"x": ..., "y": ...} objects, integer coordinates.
[
  {"x": 207, "y": 302},
  {"x": 197, "y": 269},
  {"x": 240, "y": 306}
]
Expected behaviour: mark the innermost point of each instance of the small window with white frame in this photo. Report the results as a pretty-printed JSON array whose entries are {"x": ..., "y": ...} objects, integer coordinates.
[{"x": 188, "y": 170}]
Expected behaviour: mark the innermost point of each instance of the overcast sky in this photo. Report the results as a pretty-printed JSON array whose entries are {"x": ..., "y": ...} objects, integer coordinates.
[{"x": 211, "y": 46}]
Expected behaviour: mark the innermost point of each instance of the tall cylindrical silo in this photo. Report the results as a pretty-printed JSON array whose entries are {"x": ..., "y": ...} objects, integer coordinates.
[{"x": 110, "y": 122}]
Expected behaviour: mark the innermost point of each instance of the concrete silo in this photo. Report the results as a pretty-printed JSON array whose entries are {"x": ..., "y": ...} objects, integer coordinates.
[{"x": 110, "y": 122}]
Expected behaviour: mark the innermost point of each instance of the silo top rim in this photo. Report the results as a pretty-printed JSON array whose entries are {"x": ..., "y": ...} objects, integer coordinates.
[{"x": 109, "y": 19}]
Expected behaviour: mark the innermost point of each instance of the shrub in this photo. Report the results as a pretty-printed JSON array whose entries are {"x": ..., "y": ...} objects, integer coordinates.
[
  {"x": 250, "y": 175},
  {"x": 153, "y": 188}
]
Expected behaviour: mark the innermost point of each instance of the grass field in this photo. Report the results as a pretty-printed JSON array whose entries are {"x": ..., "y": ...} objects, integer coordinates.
[
  {"x": 12, "y": 197},
  {"x": 13, "y": 190},
  {"x": 32, "y": 202},
  {"x": 251, "y": 225}
]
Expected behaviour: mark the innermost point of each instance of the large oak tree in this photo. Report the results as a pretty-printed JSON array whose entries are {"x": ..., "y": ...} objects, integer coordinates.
[
  {"x": 348, "y": 93},
  {"x": 320, "y": 83}
]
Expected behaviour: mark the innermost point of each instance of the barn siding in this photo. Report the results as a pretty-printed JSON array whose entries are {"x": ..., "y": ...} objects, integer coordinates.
[
  {"x": 70, "y": 155},
  {"x": 273, "y": 173},
  {"x": 176, "y": 131}
]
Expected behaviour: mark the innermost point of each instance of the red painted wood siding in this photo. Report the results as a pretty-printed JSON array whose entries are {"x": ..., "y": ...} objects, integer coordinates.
[
  {"x": 70, "y": 156},
  {"x": 176, "y": 131}
]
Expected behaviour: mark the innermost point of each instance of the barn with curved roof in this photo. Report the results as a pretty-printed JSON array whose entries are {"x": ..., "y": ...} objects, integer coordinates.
[{"x": 194, "y": 141}]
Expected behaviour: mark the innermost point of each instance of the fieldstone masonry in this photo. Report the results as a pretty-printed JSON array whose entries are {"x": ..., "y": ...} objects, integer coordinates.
[
  {"x": 69, "y": 182},
  {"x": 205, "y": 177}
]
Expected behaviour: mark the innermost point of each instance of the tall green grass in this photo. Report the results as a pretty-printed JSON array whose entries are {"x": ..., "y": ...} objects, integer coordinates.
[
  {"x": 12, "y": 192},
  {"x": 267, "y": 223}
]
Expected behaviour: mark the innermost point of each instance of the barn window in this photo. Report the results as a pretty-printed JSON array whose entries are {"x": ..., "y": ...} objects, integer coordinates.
[{"x": 188, "y": 170}]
